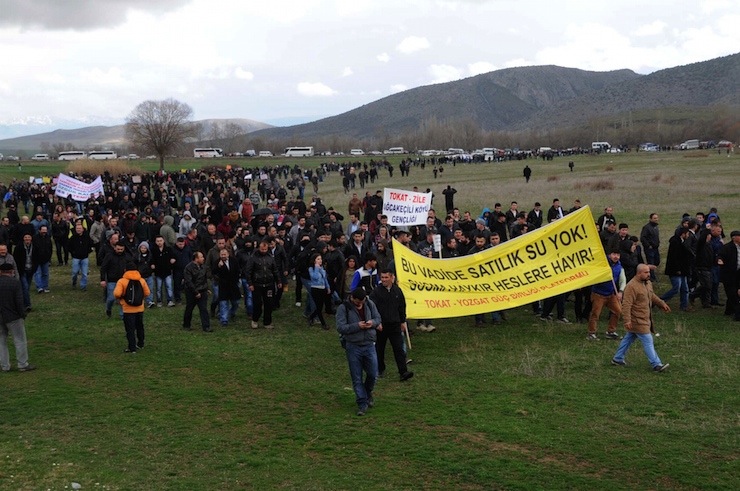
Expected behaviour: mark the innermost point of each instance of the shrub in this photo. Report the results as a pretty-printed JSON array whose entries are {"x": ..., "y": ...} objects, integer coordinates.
[{"x": 94, "y": 167}]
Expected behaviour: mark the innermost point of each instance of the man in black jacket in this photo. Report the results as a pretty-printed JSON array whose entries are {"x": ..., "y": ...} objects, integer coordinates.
[
  {"x": 42, "y": 252},
  {"x": 729, "y": 262},
  {"x": 263, "y": 278},
  {"x": 12, "y": 313},
  {"x": 195, "y": 286},
  {"x": 391, "y": 304},
  {"x": 23, "y": 256},
  {"x": 111, "y": 270},
  {"x": 79, "y": 246}
]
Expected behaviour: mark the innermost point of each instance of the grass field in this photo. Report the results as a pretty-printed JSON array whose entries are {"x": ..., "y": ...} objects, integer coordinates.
[{"x": 524, "y": 405}]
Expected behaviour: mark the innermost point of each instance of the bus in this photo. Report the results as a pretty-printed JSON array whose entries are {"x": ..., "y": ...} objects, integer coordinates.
[
  {"x": 298, "y": 152},
  {"x": 72, "y": 155},
  {"x": 207, "y": 153},
  {"x": 102, "y": 155}
]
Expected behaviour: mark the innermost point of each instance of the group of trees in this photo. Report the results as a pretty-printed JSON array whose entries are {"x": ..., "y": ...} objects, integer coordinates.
[{"x": 164, "y": 127}]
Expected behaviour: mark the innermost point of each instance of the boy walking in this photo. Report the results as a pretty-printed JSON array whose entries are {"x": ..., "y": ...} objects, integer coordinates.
[{"x": 132, "y": 303}]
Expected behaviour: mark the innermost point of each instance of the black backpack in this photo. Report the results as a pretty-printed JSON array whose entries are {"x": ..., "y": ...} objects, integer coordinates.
[{"x": 134, "y": 295}]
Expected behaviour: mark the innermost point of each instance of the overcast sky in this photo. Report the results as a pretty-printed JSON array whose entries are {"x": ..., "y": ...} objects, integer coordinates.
[{"x": 273, "y": 60}]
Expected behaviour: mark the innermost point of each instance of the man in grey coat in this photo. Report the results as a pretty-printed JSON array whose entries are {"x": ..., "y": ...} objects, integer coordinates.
[
  {"x": 12, "y": 313},
  {"x": 357, "y": 320}
]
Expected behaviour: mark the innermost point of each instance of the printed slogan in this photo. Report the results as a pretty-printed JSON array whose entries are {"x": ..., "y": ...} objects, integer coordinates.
[
  {"x": 559, "y": 257},
  {"x": 406, "y": 207}
]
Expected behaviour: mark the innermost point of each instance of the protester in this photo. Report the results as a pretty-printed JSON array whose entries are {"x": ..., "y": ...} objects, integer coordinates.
[
  {"x": 609, "y": 294},
  {"x": 391, "y": 304},
  {"x": 637, "y": 306},
  {"x": 132, "y": 306},
  {"x": 357, "y": 321},
  {"x": 263, "y": 278},
  {"x": 195, "y": 286},
  {"x": 227, "y": 272},
  {"x": 12, "y": 315}
]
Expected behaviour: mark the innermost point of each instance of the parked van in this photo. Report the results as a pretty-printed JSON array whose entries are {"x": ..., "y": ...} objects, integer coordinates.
[
  {"x": 600, "y": 146},
  {"x": 356, "y": 151},
  {"x": 265, "y": 153},
  {"x": 40, "y": 156},
  {"x": 689, "y": 145}
]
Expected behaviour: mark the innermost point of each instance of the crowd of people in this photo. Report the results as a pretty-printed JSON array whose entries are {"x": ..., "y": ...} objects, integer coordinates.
[{"x": 218, "y": 239}]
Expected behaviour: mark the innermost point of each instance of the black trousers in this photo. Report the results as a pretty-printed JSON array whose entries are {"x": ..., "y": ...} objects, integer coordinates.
[
  {"x": 263, "y": 298},
  {"x": 134, "y": 324},
  {"x": 190, "y": 303},
  {"x": 320, "y": 297},
  {"x": 392, "y": 333}
]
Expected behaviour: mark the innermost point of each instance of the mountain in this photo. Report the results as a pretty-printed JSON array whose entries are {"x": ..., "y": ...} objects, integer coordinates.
[
  {"x": 108, "y": 136},
  {"x": 539, "y": 97}
]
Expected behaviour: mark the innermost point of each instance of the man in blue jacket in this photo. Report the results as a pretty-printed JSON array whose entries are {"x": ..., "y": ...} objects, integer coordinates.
[
  {"x": 609, "y": 294},
  {"x": 357, "y": 321}
]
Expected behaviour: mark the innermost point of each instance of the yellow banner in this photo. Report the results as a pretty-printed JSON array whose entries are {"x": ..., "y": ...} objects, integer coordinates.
[{"x": 562, "y": 256}]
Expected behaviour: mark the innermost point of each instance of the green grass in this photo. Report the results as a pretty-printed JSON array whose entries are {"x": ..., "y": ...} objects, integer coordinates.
[{"x": 525, "y": 405}]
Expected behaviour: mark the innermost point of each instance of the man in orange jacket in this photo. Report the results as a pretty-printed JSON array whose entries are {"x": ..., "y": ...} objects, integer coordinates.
[{"x": 133, "y": 308}]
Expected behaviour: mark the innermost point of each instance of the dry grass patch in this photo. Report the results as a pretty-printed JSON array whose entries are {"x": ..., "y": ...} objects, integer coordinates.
[
  {"x": 609, "y": 168},
  {"x": 552, "y": 178},
  {"x": 95, "y": 167},
  {"x": 600, "y": 185}
]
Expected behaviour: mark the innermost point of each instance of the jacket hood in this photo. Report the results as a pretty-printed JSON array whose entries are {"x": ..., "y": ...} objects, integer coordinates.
[
  {"x": 132, "y": 275},
  {"x": 169, "y": 220}
]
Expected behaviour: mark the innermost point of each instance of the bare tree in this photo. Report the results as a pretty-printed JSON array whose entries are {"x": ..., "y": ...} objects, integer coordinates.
[{"x": 160, "y": 127}]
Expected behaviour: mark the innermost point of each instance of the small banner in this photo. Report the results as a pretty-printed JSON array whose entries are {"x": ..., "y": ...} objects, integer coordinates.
[
  {"x": 406, "y": 207},
  {"x": 560, "y": 257},
  {"x": 78, "y": 190}
]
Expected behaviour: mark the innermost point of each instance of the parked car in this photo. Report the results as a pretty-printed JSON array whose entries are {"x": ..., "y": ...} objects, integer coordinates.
[
  {"x": 12, "y": 157},
  {"x": 724, "y": 144}
]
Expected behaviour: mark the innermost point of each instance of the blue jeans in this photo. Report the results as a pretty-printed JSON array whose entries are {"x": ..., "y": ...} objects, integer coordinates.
[
  {"x": 362, "y": 358},
  {"x": 248, "y": 303},
  {"x": 80, "y": 266},
  {"x": 310, "y": 304},
  {"x": 168, "y": 286},
  {"x": 227, "y": 310},
  {"x": 680, "y": 285},
  {"x": 110, "y": 299},
  {"x": 150, "y": 283},
  {"x": 647, "y": 346},
  {"x": 26, "y": 277},
  {"x": 41, "y": 276},
  {"x": 652, "y": 256}
]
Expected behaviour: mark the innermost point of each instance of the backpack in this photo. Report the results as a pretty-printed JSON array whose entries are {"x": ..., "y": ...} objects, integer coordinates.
[{"x": 134, "y": 294}]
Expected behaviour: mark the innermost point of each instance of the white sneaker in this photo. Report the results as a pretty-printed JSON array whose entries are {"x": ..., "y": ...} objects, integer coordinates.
[
  {"x": 563, "y": 320},
  {"x": 269, "y": 326},
  {"x": 431, "y": 328},
  {"x": 592, "y": 336},
  {"x": 298, "y": 304},
  {"x": 170, "y": 303},
  {"x": 254, "y": 325},
  {"x": 423, "y": 328}
]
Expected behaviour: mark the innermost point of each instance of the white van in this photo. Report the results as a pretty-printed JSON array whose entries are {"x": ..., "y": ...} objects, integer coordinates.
[
  {"x": 265, "y": 153},
  {"x": 689, "y": 145},
  {"x": 40, "y": 156},
  {"x": 356, "y": 151}
]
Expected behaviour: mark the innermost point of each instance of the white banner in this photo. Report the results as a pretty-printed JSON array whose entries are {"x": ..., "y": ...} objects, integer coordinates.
[
  {"x": 78, "y": 190},
  {"x": 406, "y": 207}
]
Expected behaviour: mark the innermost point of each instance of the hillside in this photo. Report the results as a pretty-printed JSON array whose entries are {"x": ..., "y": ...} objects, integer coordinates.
[
  {"x": 496, "y": 101},
  {"x": 106, "y": 136},
  {"x": 710, "y": 83}
]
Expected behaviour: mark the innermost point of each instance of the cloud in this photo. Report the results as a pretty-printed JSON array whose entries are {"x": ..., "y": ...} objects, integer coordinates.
[
  {"x": 82, "y": 15},
  {"x": 516, "y": 62},
  {"x": 652, "y": 29},
  {"x": 444, "y": 73},
  {"x": 315, "y": 89},
  {"x": 412, "y": 44},
  {"x": 347, "y": 71},
  {"x": 481, "y": 67},
  {"x": 243, "y": 74},
  {"x": 395, "y": 88},
  {"x": 383, "y": 58}
]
